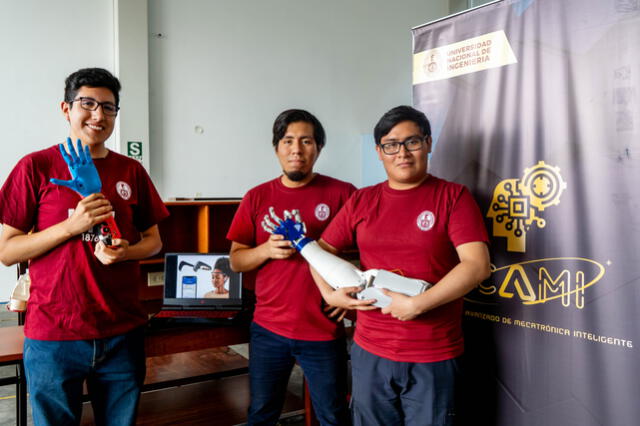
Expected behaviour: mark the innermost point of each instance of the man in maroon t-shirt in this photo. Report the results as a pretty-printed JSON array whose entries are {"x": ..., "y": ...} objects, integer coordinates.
[
  {"x": 289, "y": 323},
  {"x": 404, "y": 359},
  {"x": 84, "y": 320}
]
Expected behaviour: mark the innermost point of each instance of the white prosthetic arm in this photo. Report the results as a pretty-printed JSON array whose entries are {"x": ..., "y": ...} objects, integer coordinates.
[{"x": 338, "y": 272}]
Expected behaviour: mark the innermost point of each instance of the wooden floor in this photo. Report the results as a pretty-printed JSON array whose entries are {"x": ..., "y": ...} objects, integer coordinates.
[{"x": 214, "y": 402}]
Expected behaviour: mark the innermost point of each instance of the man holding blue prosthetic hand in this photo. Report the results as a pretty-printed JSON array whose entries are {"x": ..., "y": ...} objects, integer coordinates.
[
  {"x": 405, "y": 356},
  {"x": 85, "y": 180},
  {"x": 285, "y": 329},
  {"x": 84, "y": 321}
]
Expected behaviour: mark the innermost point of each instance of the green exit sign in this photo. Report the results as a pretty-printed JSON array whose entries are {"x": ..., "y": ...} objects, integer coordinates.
[{"x": 134, "y": 150}]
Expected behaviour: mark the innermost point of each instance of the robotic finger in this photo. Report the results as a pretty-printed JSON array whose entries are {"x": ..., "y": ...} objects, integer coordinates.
[
  {"x": 274, "y": 216},
  {"x": 297, "y": 218},
  {"x": 268, "y": 225}
]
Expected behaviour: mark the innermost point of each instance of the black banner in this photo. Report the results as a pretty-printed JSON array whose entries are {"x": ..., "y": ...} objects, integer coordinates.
[{"x": 535, "y": 107}]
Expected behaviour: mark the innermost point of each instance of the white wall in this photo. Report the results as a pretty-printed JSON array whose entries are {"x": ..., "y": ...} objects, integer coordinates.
[
  {"x": 41, "y": 42},
  {"x": 231, "y": 67},
  {"x": 456, "y": 6},
  {"x": 131, "y": 39},
  {"x": 226, "y": 66}
]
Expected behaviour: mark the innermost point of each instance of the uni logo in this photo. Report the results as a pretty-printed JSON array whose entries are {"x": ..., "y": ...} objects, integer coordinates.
[{"x": 516, "y": 203}]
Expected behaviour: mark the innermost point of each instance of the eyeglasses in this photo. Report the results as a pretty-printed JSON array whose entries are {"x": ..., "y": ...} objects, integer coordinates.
[
  {"x": 90, "y": 104},
  {"x": 413, "y": 143}
]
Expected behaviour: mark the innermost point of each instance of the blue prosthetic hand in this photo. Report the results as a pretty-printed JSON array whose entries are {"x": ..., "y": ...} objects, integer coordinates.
[
  {"x": 84, "y": 175},
  {"x": 85, "y": 180},
  {"x": 291, "y": 227}
]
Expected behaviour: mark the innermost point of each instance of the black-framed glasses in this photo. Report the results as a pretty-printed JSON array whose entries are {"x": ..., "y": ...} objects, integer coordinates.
[
  {"x": 90, "y": 104},
  {"x": 413, "y": 143}
]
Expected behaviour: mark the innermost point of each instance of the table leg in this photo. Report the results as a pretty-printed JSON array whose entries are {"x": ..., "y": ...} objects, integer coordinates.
[{"x": 21, "y": 396}]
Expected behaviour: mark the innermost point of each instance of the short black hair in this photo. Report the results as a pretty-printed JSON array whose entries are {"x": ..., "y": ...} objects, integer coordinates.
[
  {"x": 292, "y": 116},
  {"x": 223, "y": 265},
  {"x": 91, "y": 77},
  {"x": 397, "y": 115}
]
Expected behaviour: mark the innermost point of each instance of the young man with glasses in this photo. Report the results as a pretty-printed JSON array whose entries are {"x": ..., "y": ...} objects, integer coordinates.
[
  {"x": 404, "y": 359},
  {"x": 84, "y": 320},
  {"x": 289, "y": 324}
]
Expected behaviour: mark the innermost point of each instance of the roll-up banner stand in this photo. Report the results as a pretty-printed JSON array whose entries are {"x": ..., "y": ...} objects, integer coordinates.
[{"x": 535, "y": 107}]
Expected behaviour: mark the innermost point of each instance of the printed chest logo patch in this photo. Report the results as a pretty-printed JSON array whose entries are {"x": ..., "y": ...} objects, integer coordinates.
[
  {"x": 426, "y": 220},
  {"x": 322, "y": 212},
  {"x": 123, "y": 189}
]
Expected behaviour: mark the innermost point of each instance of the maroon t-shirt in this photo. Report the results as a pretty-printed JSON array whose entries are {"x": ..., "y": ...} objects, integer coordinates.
[
  {"x": 414, "y": 233},
  {"x": 288, "y": 302},
  {"x": 73, "y": 295}
]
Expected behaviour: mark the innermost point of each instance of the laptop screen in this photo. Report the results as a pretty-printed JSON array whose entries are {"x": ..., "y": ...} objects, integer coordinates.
[{"x": 201, "y": 281}]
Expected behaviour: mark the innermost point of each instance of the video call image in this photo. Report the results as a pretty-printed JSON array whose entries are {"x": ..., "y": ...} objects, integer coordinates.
[{"x": 207, "y": 277}]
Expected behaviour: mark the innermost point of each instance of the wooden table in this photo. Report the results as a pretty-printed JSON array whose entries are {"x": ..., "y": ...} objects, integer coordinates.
[
  {"x": 158, "y": 342},
  {"x": 11, "y": 341},
  {"x": 165, "y": 341}
]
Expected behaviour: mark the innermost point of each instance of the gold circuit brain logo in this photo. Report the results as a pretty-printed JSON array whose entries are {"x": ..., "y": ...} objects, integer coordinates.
[{"x": 517, "y": 203}]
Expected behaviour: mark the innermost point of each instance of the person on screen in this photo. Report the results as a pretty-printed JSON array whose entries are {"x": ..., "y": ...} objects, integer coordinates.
[
  {"x": 84, "y": 320},
  {"x": 289, "y": 323},
  {"x": 220, "y": 277},
  {"x": 405, "y": 356}
]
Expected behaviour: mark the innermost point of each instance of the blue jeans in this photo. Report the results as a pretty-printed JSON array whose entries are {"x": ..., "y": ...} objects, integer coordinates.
[
  {"x": 391, "y": 393},
  {"x": 271, "y": 358},
  {"x": 114, "y": 369}
]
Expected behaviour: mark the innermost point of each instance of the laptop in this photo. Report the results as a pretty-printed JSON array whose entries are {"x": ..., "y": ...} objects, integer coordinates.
[{"x": 199, "y": 288}]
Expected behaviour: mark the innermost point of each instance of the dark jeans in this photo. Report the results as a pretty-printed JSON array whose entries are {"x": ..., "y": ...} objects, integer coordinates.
[
  {"x": 271, "y": 358},
  {"x": 113, "y": 367},
  {"x": 389, "y": 393}
]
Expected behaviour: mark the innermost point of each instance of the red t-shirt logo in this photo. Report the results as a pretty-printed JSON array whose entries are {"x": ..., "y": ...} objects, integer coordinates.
[
  {"x": 124, "y": 190},
  {"x": 426, "y": 220},
  {"x": 322, "y": 212}
]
